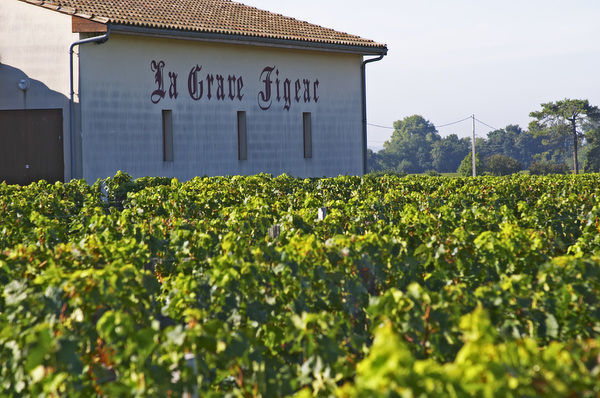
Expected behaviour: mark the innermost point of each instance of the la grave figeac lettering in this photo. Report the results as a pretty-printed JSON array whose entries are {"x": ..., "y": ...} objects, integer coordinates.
[{"x": 274, "y": 88}]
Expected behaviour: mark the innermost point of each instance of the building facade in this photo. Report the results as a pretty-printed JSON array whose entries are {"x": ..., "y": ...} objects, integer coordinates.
[{"x": 223, "y": 89}]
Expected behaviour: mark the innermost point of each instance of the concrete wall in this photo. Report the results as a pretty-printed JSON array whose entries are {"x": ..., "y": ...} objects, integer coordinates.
[
  {"x": 122, "y": 127},
  {"x": 34, "y": 45}
]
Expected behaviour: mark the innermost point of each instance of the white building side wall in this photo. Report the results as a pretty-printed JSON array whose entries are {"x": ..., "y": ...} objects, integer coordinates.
[
  {"x": 122, "y": 127},
  {"x": 34, "y": 45}
]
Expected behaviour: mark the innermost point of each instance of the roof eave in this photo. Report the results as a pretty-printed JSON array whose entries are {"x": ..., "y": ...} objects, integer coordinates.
[{"x": 248, "y": 40}]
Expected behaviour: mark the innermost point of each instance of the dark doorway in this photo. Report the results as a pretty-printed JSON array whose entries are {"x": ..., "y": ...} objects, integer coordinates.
[{"x": 31, "y": 146}]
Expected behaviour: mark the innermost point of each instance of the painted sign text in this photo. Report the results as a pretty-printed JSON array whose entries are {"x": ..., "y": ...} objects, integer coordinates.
[{"x": 274, "y": 88}]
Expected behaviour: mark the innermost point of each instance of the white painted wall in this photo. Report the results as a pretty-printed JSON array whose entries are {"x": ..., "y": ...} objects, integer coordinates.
[
  {"x": 122, "y": 128},
  {"x": 34, "y": 44}
]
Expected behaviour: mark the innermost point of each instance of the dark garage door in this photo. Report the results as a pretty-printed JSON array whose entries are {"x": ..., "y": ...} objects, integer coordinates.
[{"x": 31, "y": 146}]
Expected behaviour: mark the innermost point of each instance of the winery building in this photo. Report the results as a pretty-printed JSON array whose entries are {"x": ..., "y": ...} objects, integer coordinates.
[{"x": 179, "y": 88}]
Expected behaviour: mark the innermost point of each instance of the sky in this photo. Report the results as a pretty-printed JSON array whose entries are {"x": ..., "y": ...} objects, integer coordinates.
[{"x": 449, "y": 59}]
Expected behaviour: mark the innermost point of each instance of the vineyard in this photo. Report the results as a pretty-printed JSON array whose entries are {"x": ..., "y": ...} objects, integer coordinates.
[{"x": 276, "y": 286}]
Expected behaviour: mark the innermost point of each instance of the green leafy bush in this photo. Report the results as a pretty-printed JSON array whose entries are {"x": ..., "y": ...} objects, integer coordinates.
[
  {"x": 546, "y": 168},
  {"x": 483, "y": 367},
  {"x": 466, "y": 166},
  {"x": 156, "y": 287},
  {"x": 502, "y": 165}
]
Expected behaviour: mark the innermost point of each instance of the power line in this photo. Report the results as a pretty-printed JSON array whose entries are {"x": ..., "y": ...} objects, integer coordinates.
[
  {"x": 450, "y": 124},
  {"x": 442, "y": 125},
  {"x": 487, "y": 125},
  {"x": 380, "y": 126},
  {"x": 438, "y": 126}
]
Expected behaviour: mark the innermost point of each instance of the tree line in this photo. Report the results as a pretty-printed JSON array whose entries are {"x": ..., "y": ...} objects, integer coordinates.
[{"x": 561, "y": 136}]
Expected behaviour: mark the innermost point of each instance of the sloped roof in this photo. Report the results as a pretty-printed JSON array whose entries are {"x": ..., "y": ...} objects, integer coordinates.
[{"x": 208, "y": 16}]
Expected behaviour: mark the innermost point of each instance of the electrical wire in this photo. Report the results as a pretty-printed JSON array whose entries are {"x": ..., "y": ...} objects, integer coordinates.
[
  {"x": 487, "y": 125},
  {"x": 380, "y": 126},
  {"x": 439, "y": 126},
  {"x": 442, "y": 125},
  {"x": 450, "y": 124}
]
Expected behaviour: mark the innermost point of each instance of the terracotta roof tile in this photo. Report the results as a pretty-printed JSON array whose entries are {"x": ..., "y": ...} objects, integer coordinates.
[{"x": 208, "y": 16}]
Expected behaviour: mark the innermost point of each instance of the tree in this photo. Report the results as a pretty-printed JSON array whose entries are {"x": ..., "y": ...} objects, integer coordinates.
[
  {"x": 466, "y": 166},
  {"x": 501, "y": 165},
  {"x": 565, "y": 118},
  {"x": 448, "y": 152},
  {"x": 409, "y": 148},
  {"x": 592, "y": 160},
  {"x": 373, "y": 161},
  {"x": 511, "y": 141},
  {"x": 544, "y": 168}
]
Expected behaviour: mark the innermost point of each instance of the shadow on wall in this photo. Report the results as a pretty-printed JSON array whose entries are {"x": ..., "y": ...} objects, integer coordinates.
[
  {"x": 33, "y": 126},
  {"x": 37, "y": 95}
]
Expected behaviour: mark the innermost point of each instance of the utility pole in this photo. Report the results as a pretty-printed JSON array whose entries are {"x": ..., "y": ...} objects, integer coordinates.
[{"x": 473, "y": 149}]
